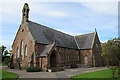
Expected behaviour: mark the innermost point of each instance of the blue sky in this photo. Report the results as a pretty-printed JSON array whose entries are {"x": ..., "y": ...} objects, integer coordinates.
[{"x": 74, "y": 18}]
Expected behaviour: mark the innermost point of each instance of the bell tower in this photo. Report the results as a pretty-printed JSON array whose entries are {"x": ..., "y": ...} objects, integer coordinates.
[{"x": 25, "y": 13}]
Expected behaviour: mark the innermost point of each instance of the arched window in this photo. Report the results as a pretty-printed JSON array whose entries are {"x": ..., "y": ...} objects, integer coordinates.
[
  {"x": 85, "y": 60},
  {"x": 68, "y": 57},
  {"x": 17, "y": 54},
  {"x": 26, "y": 51},
  {"x": 21, "y": 49}
]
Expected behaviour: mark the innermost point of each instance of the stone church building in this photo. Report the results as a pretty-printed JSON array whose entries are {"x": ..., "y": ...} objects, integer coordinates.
[{"x": 39, "y": 45}]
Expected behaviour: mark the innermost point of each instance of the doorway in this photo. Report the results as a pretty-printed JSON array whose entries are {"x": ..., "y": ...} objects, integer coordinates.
[
  {"x": 53, "y": 59},
  {"x": 85, "y": 60}
]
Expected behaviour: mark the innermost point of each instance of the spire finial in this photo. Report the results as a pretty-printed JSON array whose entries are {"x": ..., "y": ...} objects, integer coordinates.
[
  {"x": 95, "y": 30},
  {"x": 25, "y": 12}
]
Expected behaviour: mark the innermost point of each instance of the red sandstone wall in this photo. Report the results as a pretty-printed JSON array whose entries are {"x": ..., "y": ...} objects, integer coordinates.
[
  {"x": 25, "y": 35},
  {"x": 97, "y": 51},
  {"x": 87, "y": 53}
]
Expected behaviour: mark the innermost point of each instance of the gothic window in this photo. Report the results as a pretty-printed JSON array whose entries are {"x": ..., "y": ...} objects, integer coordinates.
[
  {"x": 68, "y": 56},
  {"x": 21, "y": 49},
  {"x": 85, "y": 60},
  {"x": 26, "y": 51}
]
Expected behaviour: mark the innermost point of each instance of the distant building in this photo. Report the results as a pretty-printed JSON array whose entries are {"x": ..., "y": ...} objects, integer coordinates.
[{"x": 38, "y": 45}]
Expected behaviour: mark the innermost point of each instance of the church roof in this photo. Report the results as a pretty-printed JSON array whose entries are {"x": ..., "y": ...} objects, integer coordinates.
[
  {"x": 46, "y": 50},
  {"x": 85, "y": 41},
  {"x": 46, "y": 35}
]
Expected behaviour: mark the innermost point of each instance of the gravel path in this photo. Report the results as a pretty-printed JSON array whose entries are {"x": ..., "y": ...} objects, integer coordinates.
[{"x": 61, "y": 74}]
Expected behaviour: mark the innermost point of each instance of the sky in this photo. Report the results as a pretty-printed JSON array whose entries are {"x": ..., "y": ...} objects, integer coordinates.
[{"x": 73, "y": 17}]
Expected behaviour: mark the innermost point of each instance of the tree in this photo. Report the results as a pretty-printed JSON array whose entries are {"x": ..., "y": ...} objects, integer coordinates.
[
  {"x": 6, "y": 52},
  {"x": 111, "y": 49},
  {"x": 10, "y": 52},
  {"x": 2, "y": 49}
]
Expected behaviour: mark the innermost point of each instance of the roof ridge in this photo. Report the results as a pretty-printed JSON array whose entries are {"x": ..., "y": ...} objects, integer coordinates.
[
  {"x": 85, "y": 34},
  {"x": 51, "y": 28}
]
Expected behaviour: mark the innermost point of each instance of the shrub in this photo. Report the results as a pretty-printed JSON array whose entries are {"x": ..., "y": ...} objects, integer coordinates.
[
  {"x": 5, "y": 59},
  {"x": 33, "y": 69},
  {"x": 11, "y": 66}
]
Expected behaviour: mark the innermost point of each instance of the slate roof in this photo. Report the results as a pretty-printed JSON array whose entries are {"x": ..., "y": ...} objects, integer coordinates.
[
  {"x": 46, "y": 50},
  {"x": 46, "y": 35},
  {"x": 85, "y": 41}
]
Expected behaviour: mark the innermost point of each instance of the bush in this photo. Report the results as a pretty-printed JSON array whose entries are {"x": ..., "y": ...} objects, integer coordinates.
[
  {"x": 33, "y": 69},
  {"x": 5, "y": 59},
  {"x": 11, "y": 66}
]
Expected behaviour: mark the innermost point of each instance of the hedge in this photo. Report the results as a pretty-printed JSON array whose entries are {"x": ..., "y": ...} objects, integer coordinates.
[{"x": 33, "y": 69}]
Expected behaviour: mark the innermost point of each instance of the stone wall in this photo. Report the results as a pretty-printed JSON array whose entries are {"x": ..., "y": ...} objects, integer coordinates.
[
  {"x": 97, "y": 51},
  {"x": 25, "y": 35},
  {"x": 88, "y": 54},
  {"x": 64, "y": 56}
]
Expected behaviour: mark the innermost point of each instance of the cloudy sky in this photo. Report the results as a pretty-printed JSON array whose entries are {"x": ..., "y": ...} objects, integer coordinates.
[{"x": 74, "y": 17}]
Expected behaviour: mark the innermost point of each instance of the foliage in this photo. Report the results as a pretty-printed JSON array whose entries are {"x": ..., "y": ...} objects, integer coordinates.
[
  {"x": 100, "y": 75},
  {"x": 111, "y": 49},
  {"x": 8, "y": 75},
  {"x": 3, "y": 64},
  {"x": 33, "y": 69},
  {"x": 6, "y": 60},
  {"x": 19, "y": 62},
  {"x": 2, "y": 49},
  {"x": 10, "y": 65},
  {"x": 4, "y": 53}
]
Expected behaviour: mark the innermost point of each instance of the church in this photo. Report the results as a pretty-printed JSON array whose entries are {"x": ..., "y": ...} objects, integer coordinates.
[{"x": 47, "y": 48}]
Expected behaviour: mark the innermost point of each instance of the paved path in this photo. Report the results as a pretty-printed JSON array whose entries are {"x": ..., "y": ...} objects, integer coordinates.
[{"x": 61, "y": 74}]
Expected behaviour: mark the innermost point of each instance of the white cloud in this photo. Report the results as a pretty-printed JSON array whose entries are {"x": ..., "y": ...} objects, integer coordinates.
[
  {"x": 104, "y": 41},
  {"x": 60, "y": 1},
  {"x": 95, "y": 0},
  {"x": 56, "y": 13},
  {"x": 46, "y": 10},
  {"x": 6, "y": 43},
  {"x": 103, "y": 7}
]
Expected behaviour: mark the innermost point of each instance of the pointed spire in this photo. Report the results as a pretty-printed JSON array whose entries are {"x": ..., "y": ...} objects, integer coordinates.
[
  {"x": 25, "y": 12},
  {"x": 95, "y": 30}
]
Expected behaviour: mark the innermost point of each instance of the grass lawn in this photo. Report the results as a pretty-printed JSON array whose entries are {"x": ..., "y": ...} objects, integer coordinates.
[
  {"x": 97, "y": 75},
  {"x": 3, "y": 64},
  {"x": 8, "y": 75}
]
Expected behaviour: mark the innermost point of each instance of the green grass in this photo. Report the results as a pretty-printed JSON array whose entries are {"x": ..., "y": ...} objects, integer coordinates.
[
  {"x": 99, "y": 75},
  {"x": 3, "y": 64},
  {"x": 8, "y": 75}
]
